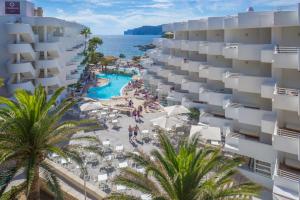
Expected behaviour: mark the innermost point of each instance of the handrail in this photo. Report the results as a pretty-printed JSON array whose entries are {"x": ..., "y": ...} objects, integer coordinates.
[
  {"x": 288, "y": 133},
  {"x": 288, "y": 175},
  {"x": 282, "y": 49},
  {"x": 231, "y": 45},
  {"x": 287, "y": 91}
]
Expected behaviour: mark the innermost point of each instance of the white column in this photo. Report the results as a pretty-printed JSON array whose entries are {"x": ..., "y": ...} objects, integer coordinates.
[
  {"x": 18, "y": 77},
  {"x": 18, "y": 38},
  {"x": 46, "y": 73},
  {"x": 45, "y": 34},
  {"x": 18, "y": 58},
  {"x": 45, "y": 55}
]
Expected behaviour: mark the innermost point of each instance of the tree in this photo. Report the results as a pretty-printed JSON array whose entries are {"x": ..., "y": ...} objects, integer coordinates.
[
  {"x": 188, "y": 173},
  {"x": 95, "y": 57},
  {"x": 194, "y": 114},
  {"x": 168, "y": 35},
  {"x": 31, "y": 129},
  {"x": 94, "y": 43},
  {"x": 85, "y": 32},
  {"x": 122, "y": 55}
]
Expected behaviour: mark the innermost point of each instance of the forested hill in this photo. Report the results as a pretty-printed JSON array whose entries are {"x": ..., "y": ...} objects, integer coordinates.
[{"x": 145, "y": 30}]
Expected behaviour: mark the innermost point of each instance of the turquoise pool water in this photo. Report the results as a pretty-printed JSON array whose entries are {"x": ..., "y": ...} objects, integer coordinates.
[{"x": 113, "y": 89}]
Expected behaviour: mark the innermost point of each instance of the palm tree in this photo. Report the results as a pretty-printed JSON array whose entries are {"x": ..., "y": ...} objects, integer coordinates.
[
  {"x": 85, "y": 32},
  {"x": 188, "y": 173},
  {"x": 31, "y": 128},
  {"x": 94, "y": 43}
]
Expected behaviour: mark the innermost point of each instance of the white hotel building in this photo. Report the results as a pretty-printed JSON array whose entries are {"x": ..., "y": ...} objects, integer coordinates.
[
  {"x": 243, "y": 73},
  {"x": 37, "y": 50}
]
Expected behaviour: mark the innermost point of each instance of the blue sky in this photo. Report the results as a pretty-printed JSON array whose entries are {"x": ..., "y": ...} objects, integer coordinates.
[{"x": 112, "y": 17}]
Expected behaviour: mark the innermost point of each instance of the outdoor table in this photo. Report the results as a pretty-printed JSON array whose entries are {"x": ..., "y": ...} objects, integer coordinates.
[
  {"x": 145, "y": 132},
  {"x": 123, "y": 164},
  {"x": 106, "y": 143},
  {"x": 120, "y": 187},
  {"x": 102, "y": 177},
  {"x": 141, "y": 170},
  {"x": 119, "y": 148},
  {"x": 112, "y": 116},
  {"x": 146, "y": 197}
]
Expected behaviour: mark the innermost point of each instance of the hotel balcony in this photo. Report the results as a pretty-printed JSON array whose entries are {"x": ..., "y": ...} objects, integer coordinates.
[
  {"x": 49, "y": 64},
  {"x": 190, "y": 85},
  {"x": 180, "y": 26},
  {"x": 175, "y": 61},
  {"x": 230, "y": 50},
  {"x": 167, "y": 43},
  {"x": 231, "y": 22},
  {"x": 200, "y": 24},
  {"x": 215, "y": 120},
  {"x": 286, "y": 18},
  {"x": 158, "y": 42},
  {"x": 191, "y": 66},
  {"x": 177, "y": 95},
  {"x": 25, "y": 30},
  {"x": 241, "y": 144},
  {"x": 193, "y": 104},
  {"x": 25, "y": 50},
  {"x": 246, "y": 115},
  {"x": 287, "y": 140},
  {"x": 26, "y": 85},
  {"x": 244, "y": 83},
  {"x": 260, "y": 175},
  {"x": 164, "y": 58},
  {"x": 266, "y": 55},
  {"x": 203, "y": 47},
  {"x": 168, "y": 28},
  {"x": 164, "y": 88},
  {"x": 212, "y": 73},
  {"x": 255, "y": 19},
  {"x": 53, "y": 48},
  {"x": 188, "y": 45},
  {"x": 176, "y": 44},
  {"x": 286, "y": 183},
  {"x": 215, "y": 23},
  {"x": 216, "y": 98},
  {"x": 25, "y": 68},
  {"x": 286, "y": 99},
  {"x": 215, "y": 48},
  {"x": 176, "y": 78},
  {"x": 286, "y": 58},
  {"x": 51, "y": 80},
  {"x": 164, "y": 73}
]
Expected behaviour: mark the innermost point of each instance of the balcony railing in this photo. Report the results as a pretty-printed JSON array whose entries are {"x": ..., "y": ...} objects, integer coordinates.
[
  {"x": 279, "y": 49},
  {"x": 288, "y": 133},
  {"x": 287, "y": 91},
  {"x": 289, "y": 174}
]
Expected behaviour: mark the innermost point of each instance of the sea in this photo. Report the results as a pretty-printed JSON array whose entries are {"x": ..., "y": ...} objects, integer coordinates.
[{"x": 114, "y": 45}]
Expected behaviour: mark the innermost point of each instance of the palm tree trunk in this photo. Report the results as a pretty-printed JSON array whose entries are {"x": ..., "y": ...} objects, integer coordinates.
[
  {"x": 34, "y": 193},
  {"x": 85, "y": 44}
]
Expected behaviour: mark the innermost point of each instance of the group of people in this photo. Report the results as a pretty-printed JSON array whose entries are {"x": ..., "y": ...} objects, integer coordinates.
[
  {"x": 137, "y": 113},
  {"x": 133, "y": 133}
]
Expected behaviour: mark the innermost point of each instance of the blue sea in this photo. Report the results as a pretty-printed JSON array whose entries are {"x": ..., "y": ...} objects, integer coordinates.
[{"x": 116, "y": 44}]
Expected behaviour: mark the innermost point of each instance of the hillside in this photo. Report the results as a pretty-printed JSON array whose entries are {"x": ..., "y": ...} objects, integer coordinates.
[{"x": 145, "y": 30}]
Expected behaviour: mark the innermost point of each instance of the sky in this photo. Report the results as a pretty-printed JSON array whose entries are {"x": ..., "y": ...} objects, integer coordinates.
[{"x": 112, "y": 17}]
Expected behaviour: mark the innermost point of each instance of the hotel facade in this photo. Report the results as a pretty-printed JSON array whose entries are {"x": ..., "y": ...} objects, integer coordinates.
[
  {"x": 37, "y": 50},
  {"x": 243, "y": 73}
]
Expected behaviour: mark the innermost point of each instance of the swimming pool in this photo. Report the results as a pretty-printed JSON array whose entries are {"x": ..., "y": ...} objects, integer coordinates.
[{"x": 113, "y": 89}]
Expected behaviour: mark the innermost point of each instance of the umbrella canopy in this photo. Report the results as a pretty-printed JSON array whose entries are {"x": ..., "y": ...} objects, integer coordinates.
[
  {"x": 91, "y": 106},
  {"x": 176, "y": 110},
  {"x": 167, "y": 123}
]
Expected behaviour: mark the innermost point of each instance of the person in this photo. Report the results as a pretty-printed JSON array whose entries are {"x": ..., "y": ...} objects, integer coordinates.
[
  {"x": 135, "y": 131},
  {"x": 130, "y": 103},
  {"x": 140, "y": 109},
  {"x": 130, "y": 130},
  {"x": 138, "y": 113},
  {"x": 134, "y": 114}
]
